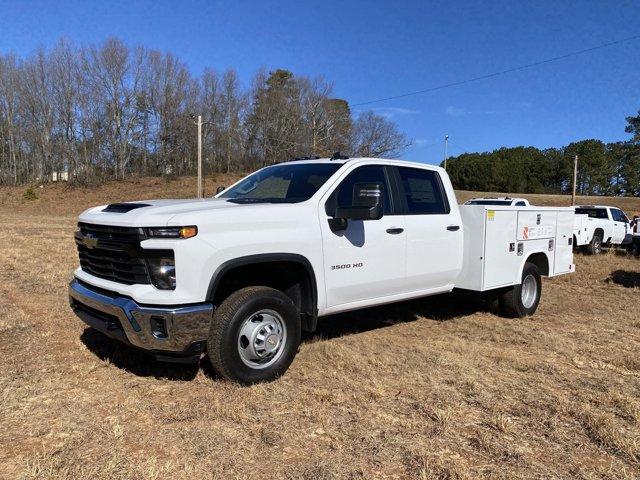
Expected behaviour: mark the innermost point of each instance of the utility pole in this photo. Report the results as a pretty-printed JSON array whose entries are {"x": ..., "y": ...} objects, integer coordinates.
[
  {"x": 575, "y": 179},
  {"x": 199, "y": 156},
  {"x": 197, "y": 120},
  {"x": 446, "y": 141}
]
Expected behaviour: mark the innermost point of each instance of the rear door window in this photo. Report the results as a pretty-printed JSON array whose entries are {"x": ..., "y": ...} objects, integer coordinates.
[
  {"x": 423, "y": 192},
  {"x": 593, "y": 212}
]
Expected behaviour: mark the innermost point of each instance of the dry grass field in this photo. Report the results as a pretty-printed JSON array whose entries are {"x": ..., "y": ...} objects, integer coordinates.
[{"x": 435, "y": 388}]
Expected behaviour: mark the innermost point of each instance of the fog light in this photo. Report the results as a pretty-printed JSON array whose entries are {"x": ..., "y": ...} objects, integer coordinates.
[
  {"x": 158, "y": 327},
  {"x": 163, "y": 272}
]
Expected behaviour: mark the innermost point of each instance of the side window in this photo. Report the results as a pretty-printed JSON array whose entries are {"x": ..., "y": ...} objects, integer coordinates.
[
  {"x": 520, "y": 204},
  {"x": 594, "y": 212},
  {"x": 423, "y": 191},
  {"x": 618, "y": 216},
  {"x": 614, "y": 215},
  {"x": 343, "y": 195}
]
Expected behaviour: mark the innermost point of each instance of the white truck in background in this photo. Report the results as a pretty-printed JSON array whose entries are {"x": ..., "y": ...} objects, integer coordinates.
[
  {"x": 237, "y": 277},
  {"x": 598, "y": 226},
  {"x": 500, "y": 201}
]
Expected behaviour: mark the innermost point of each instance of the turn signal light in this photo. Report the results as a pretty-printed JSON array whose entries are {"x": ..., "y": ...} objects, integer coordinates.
[{"x": 188, "y": 232}]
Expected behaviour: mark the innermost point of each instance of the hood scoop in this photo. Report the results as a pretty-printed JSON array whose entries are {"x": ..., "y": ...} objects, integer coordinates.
[{"x": 123, "y": 207}]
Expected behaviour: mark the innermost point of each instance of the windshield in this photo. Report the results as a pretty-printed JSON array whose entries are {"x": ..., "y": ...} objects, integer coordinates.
[
  {"x": 285, "y": 183},
  {"x": 489, "y": 202}
]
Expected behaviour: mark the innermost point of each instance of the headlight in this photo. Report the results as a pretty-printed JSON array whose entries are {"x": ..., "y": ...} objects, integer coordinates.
[
  {"x": 172, "y": 232},
  {"x": 163, "y": 272}
]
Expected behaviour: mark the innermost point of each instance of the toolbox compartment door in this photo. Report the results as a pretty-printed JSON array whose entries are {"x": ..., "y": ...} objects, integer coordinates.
[
  {"x": 536, "y": 225},
  {"x": 501, "y": 262},
  {"x": 563, "y": 261}
]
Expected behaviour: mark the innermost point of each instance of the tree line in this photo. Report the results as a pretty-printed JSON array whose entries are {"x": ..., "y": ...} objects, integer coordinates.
[
  {"x": 603, "y": 168},
  {"x": 108, "y": 111}
]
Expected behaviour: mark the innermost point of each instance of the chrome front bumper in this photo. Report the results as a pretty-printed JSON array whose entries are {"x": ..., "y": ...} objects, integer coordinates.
[{"x": 171, "y": 330}]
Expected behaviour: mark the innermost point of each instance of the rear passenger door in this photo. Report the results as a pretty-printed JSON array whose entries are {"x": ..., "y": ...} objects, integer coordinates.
[{"x": 433, "y": 230}]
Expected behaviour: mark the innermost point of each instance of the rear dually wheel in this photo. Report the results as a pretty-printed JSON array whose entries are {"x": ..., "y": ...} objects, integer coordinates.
[{"x": 523, "y": 299}]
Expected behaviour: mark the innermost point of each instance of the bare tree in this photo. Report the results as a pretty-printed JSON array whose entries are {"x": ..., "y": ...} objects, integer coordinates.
[
  {"x": 169, "y": 87},
  {"x": 232, "y": 103},
  {"x": 116, "y": 80},
  {"x": 66, "y": 79},
  {"x": 375, "y": 136},
  {"x": 9, "y": 117},
  {"x": 36, "y": 93},
  {"x": 109, "y": 111}
]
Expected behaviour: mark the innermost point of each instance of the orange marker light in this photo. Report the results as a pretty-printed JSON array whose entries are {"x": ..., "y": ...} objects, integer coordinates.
[{"x": 188, "y": 232}]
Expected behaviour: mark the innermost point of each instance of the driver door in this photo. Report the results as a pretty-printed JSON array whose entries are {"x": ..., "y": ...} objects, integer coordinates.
[
  {"x": 619, "y": 226},
  {"x": 366, "y": 260}
]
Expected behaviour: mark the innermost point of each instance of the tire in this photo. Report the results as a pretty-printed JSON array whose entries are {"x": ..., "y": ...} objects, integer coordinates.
[
  {"x": 254, "y": 335},
  {"x": 595, "y": 246},
  {"x": 523, "y": 299}
]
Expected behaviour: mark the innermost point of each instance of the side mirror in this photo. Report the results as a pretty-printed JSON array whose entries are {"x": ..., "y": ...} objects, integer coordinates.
[
  {"x": 220, "y": 189},
  {"x": 366, "y": 203}
]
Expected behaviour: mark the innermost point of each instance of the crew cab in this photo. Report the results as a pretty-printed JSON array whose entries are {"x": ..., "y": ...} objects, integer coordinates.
[
  {"x": 239, "y": 276},
  {"x": 503, "y": 201},
  {"x": 596, "y": 226}
]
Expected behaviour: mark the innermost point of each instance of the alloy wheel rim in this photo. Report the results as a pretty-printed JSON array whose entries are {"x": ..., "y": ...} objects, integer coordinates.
[
  {"x": 261, "y": 339},
  {"x": 529, "y": 291}
]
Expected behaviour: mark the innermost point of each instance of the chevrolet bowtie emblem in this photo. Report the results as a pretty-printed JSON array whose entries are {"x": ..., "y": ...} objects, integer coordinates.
[{"x": 89, "y": 241}]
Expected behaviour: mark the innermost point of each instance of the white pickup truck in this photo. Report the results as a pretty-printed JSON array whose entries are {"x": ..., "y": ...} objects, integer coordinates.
[
  {"x": 240, "y": 275},
  {"x": 596, "y": 226},
  {"x": 503, "y": 201}
]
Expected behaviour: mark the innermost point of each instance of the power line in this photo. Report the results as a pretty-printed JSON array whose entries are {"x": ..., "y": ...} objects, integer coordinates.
[{"x": 502, "y": 72}]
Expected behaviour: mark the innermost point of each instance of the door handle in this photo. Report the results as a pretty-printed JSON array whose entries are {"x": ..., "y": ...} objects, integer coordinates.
[
  {"x": 395, "y": 231},
  {"x": 453, "y": 228}
]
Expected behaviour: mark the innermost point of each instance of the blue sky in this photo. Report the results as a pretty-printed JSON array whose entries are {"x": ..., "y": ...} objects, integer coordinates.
[{"x": 373, "y": 49}]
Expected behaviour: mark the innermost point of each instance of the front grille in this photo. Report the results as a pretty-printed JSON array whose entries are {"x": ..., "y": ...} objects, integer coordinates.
[{"x": 113, "y": 253}]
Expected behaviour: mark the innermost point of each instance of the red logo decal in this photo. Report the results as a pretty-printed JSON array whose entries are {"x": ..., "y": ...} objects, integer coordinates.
[{"x": 525, "y": 232}]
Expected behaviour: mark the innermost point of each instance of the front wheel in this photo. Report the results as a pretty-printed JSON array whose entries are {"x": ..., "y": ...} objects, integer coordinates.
[
  {"x": 523, "y": 299},
  {"x": 595, "y": 246},
  {"x": 254, "y": 335}
]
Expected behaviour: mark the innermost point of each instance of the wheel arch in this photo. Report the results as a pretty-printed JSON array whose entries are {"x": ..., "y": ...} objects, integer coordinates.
[
  {"x": 290, "y": 267},
  {"x": 541, "y": 260}
]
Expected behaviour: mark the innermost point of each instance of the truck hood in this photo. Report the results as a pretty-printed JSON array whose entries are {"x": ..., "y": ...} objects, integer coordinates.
[{"x": 147, "y": 213}]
